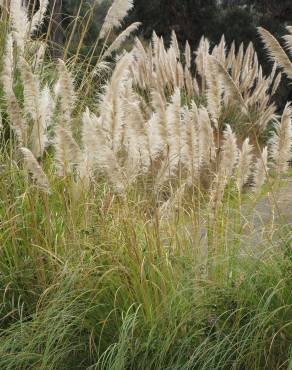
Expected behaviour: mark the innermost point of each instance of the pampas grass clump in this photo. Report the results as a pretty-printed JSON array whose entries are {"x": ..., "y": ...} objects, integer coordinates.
[{"x": 125, "y": 188}]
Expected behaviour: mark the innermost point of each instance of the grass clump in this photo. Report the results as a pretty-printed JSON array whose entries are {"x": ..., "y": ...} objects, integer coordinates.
[{"x": 125, "y": 239}]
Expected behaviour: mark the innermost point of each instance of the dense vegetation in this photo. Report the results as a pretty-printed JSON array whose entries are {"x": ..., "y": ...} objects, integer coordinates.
[{"x": 129, "y": 179}]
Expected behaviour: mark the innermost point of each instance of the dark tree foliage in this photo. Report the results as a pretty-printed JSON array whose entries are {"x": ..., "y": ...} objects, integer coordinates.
[
  {"x": 278, "y": 10},
  {"x": 237, "y": 19},
  {"x": 189, "y": 18}
]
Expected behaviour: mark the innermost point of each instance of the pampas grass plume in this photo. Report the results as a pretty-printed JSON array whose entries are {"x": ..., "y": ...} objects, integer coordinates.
[
  {"x": 281, "y": 142},
  {"x": 34, "y": 169},
  {"x": 115, "y": 15},
  {"x": 244, "y": 164},
  {"x": 261, "y": 170},
  {"x": 276, "y": 51}
]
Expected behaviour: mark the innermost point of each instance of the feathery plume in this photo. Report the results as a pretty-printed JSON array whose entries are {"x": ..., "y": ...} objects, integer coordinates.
[
  {"x": 39, "y": 56},
  {"x": 261, "y": 170},
  {"x": 236, "y": 68},
  {"x": 244, "y": 164},
  {"x": 173, "y": 139},
  {"x": 98, "y": 153},
  {"x": 102, "y": 68},
  {"x": 174, "y": 45},
  {"x": 16, "y": 119},
  {"x": 37, "y": 105},
  {"x": 288, "y": 43},
  {"x": 190, "y": 150},
  {"x": 231, "y": 56},
  {"x": 8, "y": 64},
  {"x": 90, "y": 141},
  {"x": 68, "y": 153},
  {"x": 174, "y": 131},
  {"x": 115, "y": 15},
  {"x": 219, "y": 51},
  {"x": 229, "y": 85},
  {"x": 159, "y": 105},
  {"x": 137, "y": 139},
  {"x": 66, "y": 92},
  {"x": 228, "y": 161},
  {"x": 17, "y": 122},
  {"x": 281, "y": 142},
  {"x": 156, "y": 140},
  {"x": 173, "y": 203},
  {"x": 229, "y": 152},
  {"x": 111, "y": 103},
  {"x": 121, "y": 38},
  {"x": 276, "y": 83},
  {"x": 188, "y": 55},
  {"x": 31, "y": 90},
  {"x": 276, "y": 52},
  {"x": 202, "y": 55},
  {"x": 189, "y": 82},
  {"x": 214, "y": 89},
  {"x": 19, "y": 23},
  {"x": 39, "y": 138},
  {"x": 39, "y": 16},
  {"x": 206, "y": 137},
  {"x": 34, "y": 169}
]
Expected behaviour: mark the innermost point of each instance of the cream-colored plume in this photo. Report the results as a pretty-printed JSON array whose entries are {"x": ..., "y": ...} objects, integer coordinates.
[
  {"x": 110, "y": 103},
  {"x": 19, "y": 23},
  {"x": 67, "y": 151},
  {"x": 121, "y": 38},
  {"x": 174, "y": 132},
  {"x": 34, "y": 169},
  {"x": 173, "y": 203},
  {"x": 214, "y": 89},
  {"x": 281, "y": 142},
  {"x": 66, "y": 93},
  {"x": 244, "y": 167},
  {"x": 207, "y": 148},
  {"x": 261, "y": 170},
  {"x": 21, "y": 26},
  {"x": 231, "y": 90},
  {"x": 98, "y": 153},
  {"x": 115, "y": 15},
  {"x": 39, "y": 135},
  {"x": 229, "y": 152},
  {"x": 16, "y": 119},
  {"x": 31, "y": 90},
  {"x": 191, "y": 149},
  {"x": 276, "y": 51},
  {"x": 39, "y": 17},
  {"x": 229, "y": 157}
]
